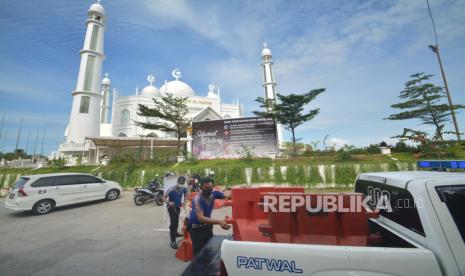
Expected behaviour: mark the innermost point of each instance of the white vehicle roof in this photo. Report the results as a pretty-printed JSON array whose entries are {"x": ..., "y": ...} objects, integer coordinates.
[
  {"x": 401, "y": 179},
  {"x": 52, "y": 174}
]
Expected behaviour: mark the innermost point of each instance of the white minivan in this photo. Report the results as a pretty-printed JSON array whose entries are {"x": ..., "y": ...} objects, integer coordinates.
[{"x": 42, "y": 192}]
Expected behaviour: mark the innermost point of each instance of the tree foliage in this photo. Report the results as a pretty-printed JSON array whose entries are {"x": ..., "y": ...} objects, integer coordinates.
[
  {"x": 289, "y": 110},
  {"x": 168, "y": 114},
  {"x": 423, "y": 101}
]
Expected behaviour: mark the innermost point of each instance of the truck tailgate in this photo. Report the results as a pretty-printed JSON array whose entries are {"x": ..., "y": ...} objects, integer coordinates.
[{"x": 261, "y": 258}]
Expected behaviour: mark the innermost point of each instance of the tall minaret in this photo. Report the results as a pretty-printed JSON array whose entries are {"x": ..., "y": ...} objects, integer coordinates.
[
  {"x": 85, "y": 112},
  {"x": 106, "y": 83},
  {"x": 268, "y": 78}
]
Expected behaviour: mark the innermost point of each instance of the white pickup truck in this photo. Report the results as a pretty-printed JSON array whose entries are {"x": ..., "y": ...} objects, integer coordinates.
[{"x": 423, "y": 235}]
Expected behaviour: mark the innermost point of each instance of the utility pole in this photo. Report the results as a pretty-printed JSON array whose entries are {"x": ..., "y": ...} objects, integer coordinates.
[
  {"x": 42, "y": 148},
  {"x": 3, "y": 122},
  {"x": 35, "y": 144},
  {"x": 435, "y": 49},
  {"x": 28, "y": 139},
  {"x": 4, "y": 139},
  {"x": 19, "y": 134}
]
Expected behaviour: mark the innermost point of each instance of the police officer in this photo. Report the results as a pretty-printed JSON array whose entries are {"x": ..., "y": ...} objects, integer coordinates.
[
  {"x": 200, "y": 222},
  {"x": 174, "y": 198}
]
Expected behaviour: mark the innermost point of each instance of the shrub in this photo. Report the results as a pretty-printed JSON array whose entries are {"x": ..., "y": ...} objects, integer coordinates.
[
  {"x": 314, "y": 177},
  {"x": 345, "y": 174},
  {"x": 57, "y": 163},
  {"x": 278, "y": 176}
]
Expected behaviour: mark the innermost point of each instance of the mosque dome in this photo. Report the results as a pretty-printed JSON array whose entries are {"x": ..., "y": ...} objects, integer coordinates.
[
  {"x": 97, "y": 8},
  {"x": 150, "y": 91},
  {"x": 177, "y": 87},
  {"x": 106, "y": 80},
  {"x": 266, "y": 52}
]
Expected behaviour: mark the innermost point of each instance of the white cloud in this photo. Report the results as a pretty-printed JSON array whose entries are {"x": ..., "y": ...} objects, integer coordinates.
[
  {"x": 337, "y": 142},
  {"x": 213, "y": 22}
]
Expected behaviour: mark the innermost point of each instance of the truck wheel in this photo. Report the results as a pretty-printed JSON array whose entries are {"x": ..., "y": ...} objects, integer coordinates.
[
  {"x": 112, "y": 195},
  {"x": 42, "y": 207}
]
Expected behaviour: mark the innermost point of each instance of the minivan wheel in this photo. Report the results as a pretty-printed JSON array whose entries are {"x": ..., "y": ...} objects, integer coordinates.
[
  {"x": 112, "y": 194},
  {"x": 42, "y": 207}
]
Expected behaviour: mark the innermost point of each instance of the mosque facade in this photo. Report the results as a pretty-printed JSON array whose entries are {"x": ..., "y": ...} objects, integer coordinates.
[{"x": 100, "y": 120}]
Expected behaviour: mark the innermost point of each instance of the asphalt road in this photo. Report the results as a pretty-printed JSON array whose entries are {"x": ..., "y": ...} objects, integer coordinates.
[{"x": 98, "y": 238}]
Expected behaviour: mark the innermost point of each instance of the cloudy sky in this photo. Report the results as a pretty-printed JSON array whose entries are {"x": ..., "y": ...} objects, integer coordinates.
[{"x": 362, "y": 52}]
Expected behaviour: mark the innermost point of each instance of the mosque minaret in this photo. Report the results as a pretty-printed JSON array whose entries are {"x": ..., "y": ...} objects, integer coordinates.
[
  {"x": 106, "y": 83},
  {"x": 269, "y": 84},
  {"x": 85, "y": 112},
  {"x": 268, "y": 79}
]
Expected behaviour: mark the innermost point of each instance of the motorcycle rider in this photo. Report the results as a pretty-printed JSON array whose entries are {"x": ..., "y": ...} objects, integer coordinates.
[
  {"x": 174, "y": 199},
  {"x": 200, "y": 225}
]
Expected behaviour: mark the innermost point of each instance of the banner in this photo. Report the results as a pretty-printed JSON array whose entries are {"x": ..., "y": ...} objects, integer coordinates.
[{"x": 235, "y": 138}]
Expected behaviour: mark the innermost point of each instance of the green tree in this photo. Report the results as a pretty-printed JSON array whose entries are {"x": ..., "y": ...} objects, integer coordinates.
[
  {"x": 169, "y": 114},
  {"x": 423, "y": 101},
  {"x": 289, "y": 110}
]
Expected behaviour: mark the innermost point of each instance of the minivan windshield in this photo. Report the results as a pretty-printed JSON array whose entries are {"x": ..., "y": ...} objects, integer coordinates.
[
  {"x": 20, "y": 183},
  {"x": 454, "y": 198}
]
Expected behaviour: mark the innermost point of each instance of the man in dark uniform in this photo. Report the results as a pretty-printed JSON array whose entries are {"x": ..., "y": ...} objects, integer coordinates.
[
  {"x": 174, "y": 199},
  {"x": 200, "y": 221}
]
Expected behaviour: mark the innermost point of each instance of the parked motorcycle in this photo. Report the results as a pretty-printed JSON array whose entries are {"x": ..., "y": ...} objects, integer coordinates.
[{"x": 154, "y": 191}]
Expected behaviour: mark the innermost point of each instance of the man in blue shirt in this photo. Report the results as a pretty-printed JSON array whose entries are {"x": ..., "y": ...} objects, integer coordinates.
[
  {"x": 200, "y": 221},
  {"x": 174, "y": 199}
]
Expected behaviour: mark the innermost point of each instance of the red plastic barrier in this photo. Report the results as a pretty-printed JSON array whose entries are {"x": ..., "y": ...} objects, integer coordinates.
[
  {"x": 247, "y": 212},
  {"x": 342, "y": 227}
]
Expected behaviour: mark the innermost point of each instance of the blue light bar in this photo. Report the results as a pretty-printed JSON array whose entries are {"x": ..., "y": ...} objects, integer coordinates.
[{"x": 435, "y": 164}]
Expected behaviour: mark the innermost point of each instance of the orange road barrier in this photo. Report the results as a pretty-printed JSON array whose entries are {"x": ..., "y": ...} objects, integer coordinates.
[{"x": 184, "y": 252}]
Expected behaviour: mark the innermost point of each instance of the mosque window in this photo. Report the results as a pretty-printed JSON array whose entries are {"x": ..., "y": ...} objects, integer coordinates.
[
  {"x": 89, "y": 73},
  {"x": 227, "y": 116},
  {"x": 122, "y": 134},
  {"x": 125, "y": 116},
  {"x": 152, "y": 134},
  {"x": 84, "y": 106},
  {"x": 93, "y": 38}
]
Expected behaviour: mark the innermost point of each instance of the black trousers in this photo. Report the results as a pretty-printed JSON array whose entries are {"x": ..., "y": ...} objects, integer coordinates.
[
  {"x": 174, "y": 221},
  {"x": 200, "y": 237}
]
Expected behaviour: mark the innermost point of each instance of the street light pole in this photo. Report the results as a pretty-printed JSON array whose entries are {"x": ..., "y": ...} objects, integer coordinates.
[{"x": 435, "y": 49}]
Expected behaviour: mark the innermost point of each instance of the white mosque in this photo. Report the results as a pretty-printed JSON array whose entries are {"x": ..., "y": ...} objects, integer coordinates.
[{"x": 98, "y": 130}]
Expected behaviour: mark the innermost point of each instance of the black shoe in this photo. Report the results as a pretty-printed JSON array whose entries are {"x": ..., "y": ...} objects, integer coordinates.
[
  {"x": 174, "y": 245},
  {"x": 178, "y": 235}
]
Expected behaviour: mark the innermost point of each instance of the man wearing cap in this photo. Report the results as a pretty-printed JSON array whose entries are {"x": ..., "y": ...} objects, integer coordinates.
[
  {"x": 200, "y": 222},
  {"x": 174, "y": 200}
]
